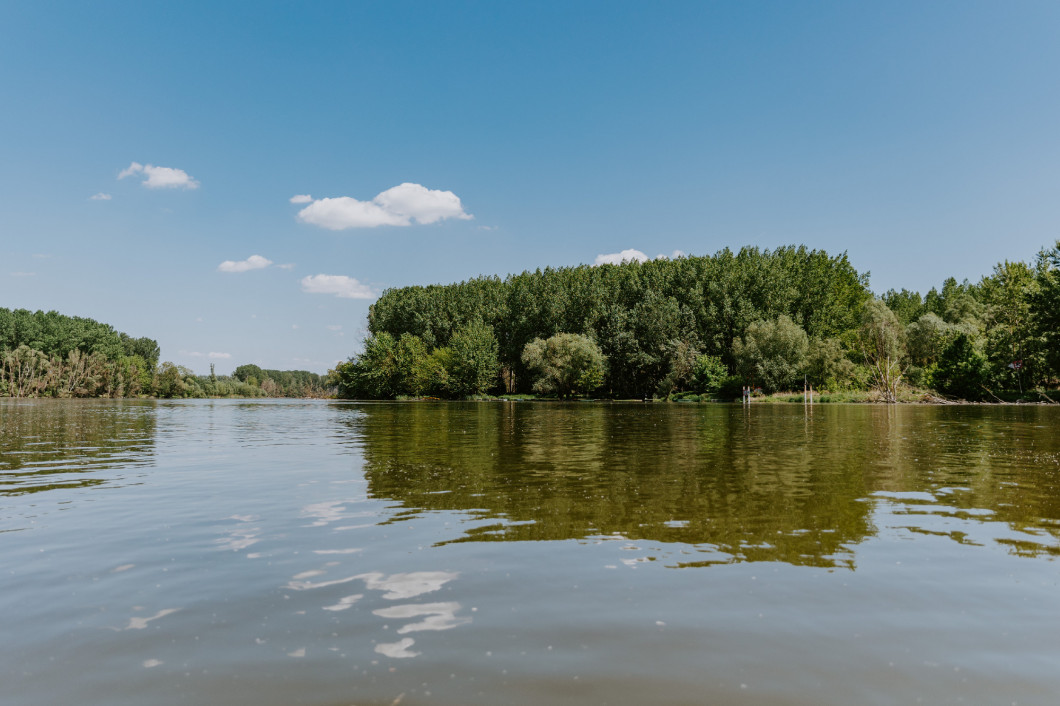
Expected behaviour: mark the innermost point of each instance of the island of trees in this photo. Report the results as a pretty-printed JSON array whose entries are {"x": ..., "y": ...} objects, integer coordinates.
[{"x": 707, "y": 326}]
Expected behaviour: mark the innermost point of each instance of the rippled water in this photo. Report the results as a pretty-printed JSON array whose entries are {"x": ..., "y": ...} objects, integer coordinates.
[{"x": 272, "y": 552}]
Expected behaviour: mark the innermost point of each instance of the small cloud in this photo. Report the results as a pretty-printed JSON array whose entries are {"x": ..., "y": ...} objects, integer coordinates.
[
  {"x": 487, "y": 227},
  {"x": 295, "y": 326},
  {"x": 218, "y": 356},
  {"x": 672, "y": 256},
  {"x": 302, "y": 198},
  {"x": 397, "y": 206},
  {"x": 288, "y": 266},
  {"x": 41, "y": 255},
  {"x": 617, "y": 258},
  {"x": 160, "y": 177},
  {"x": 100, "y": 197},
  {"x": 339, "y": 285},
  {"x": 23, "y": 274},
  {"x": 335, "y": 327},
  {"x": 198, "y": 319},
  {"x": 254, "y": 262}
]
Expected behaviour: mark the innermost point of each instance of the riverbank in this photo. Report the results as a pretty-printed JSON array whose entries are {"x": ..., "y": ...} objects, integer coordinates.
[{"x": 908, "y": 396}]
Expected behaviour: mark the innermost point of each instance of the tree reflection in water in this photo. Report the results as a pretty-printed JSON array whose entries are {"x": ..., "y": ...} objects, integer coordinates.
[{"x": 766, "y": 483}]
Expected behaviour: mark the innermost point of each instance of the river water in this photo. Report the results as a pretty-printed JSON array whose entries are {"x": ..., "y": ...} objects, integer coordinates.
[{"x": 328, "y": 553}]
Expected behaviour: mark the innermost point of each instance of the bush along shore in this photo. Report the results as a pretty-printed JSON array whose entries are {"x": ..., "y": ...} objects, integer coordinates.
[{"x": 708, "y": 327}]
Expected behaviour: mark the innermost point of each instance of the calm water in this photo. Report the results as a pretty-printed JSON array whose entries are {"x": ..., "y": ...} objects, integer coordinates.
[{"x": 234, "y": 552}]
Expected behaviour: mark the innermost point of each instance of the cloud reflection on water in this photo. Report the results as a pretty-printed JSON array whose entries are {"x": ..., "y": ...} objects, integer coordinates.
[
  {"x": 397, "y": 650},
  {"x": 440, "y": 616},
  {"x": 141, "y": 623}
]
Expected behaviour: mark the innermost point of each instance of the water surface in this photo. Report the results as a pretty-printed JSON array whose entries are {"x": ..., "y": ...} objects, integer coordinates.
[{"x": 308, "y": 552}]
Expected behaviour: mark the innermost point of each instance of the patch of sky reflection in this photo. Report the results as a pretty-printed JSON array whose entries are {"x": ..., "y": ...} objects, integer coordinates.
[
  {"x": 928, "y": 514},
  {"x": 393, "y": 587}
]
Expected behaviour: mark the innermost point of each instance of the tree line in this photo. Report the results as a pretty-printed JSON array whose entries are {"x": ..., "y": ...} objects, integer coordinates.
[
  {"x": 709, "y": 325},
  {"x": 48, "y": 354}
]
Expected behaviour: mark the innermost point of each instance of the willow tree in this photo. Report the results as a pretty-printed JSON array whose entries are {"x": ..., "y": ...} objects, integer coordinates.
[
  {"x": 565, "y": 364},
  {"x": 772, "y": 353},
  {"x": 882, "y": 341}
]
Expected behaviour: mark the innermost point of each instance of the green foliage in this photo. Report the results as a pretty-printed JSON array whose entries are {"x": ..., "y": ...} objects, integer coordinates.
[
  {"x": 474, "y": 365},
  {"x": 773, "y": 353},
  {"x": 410, "y": 356},
  {"x": 170, "y": 380},
  {"x": 431, "y": 374},
  {"x": 907, "y": 306},
  {"x": 926, "y": 337},
  {"x": 276, "y": 383},
  {"x": 961, "y": 370},
  {"x": 1045, "y": 309},
  {"x": 1007, "y": 295},
  {"x": 731, "y": 388},
  {"x": 373, "y": 374},
  {"x": 647, "y": 318},
  {"x": 55, "y": 335},
  {"x": 882, "y": 342},
  {"x": 144, "y": 348},
  {"x": 708, "y": 374},
  {"x": 828, "y": 366},
  {"x": 680, "y": 358},
  {"x": 957, "y": 303},
  {"x": 49, "y": 354},
  {"x": 249, "y": 373},
  {"x": 565, "y": 364},
  {"x": 387, "y": 368}
]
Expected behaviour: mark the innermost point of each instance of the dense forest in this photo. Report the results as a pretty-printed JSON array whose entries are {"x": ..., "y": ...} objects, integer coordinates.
[
  {"x": 710, "y": 325},
  {"x": 47, "y": 354}
]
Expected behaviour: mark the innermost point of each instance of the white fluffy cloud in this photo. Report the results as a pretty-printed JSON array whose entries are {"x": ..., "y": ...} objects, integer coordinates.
[
  {"x": 339, "y": 285},
  {"x": 160, "y": 177},
  {"x": 302, "y": 198},
  {"x": 100, "y": 197},
  {"x": 345, "y": 212},
  {"x": 397, "y": 206},
  {"x": 617, "y": 258},
  {"x": 254, "y": 262}
]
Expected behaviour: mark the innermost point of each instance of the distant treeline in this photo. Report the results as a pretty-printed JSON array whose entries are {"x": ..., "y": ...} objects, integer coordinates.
[
  {"x": 48, "y": 354},
  {"x": 285, "y": 383},
  {"x": 709, "y": 325}
]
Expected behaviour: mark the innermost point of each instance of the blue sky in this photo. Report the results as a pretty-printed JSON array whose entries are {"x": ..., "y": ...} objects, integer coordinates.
[{"x": 441, "y": 141}]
